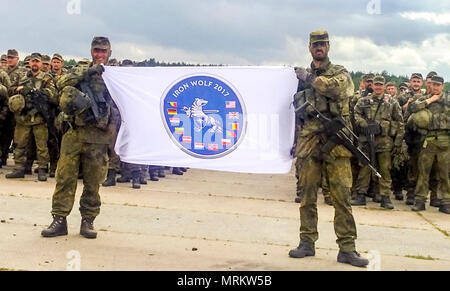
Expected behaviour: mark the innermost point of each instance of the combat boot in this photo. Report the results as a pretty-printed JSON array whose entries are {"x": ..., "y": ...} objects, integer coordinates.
[
  {"x": 352, "y": 258},
  {"x": 418, "y": 206},
  {"x": 445, "y": 208},
  {"x": 435, "y": 202},
  {"x": 398, "y": 195},
  {"x": 124, "y": 179},
  {"x": 110, "y": 178},
  {"x": 135, "y": 182},
  {"x": 42, "y": 176},
  {"x": 410, "y": 197},
  {"x": 58, "y": 227},
  {"x": 153, "y": 175},
  {"x": 142, "y": 178},
  {"x": 87, "y": 227},
  {"x": 183, "y": 169},
  {"x": 52, "y": 173},
  {"x": 303, "y": 250},
  {"x": 177, "y": 171},
  {"x": 376, "y": 198},
  {"x": 18, "y": 173},
  {"x": 386, "y": 202},
  {"x": 298, "y": 199},
  {"x": 360, "y": 200},
  {"x": 161, "y": 173}
]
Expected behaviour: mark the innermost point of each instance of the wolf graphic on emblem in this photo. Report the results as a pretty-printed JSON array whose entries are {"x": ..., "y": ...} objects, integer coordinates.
[{"x": 201, "y": 120}]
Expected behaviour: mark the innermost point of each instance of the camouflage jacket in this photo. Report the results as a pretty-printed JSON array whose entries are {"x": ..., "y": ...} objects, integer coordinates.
[
  {"x": 43, "y": 82},
  {"x": 90, "y": 132},
  {"x": 440, "y": 110},
  {"x": 6, "y": 83},
  {"x": 404, "y": 104},
  {"x": 15, "y": 75},
  {"x": 387, "y": 114},
  {"x": 329, "y": 93}
]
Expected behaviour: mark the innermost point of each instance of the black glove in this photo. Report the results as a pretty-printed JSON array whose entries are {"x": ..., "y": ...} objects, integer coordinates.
[{"x": 96, "y": 70}]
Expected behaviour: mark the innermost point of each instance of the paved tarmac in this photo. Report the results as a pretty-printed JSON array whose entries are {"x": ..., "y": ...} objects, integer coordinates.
[{"x": 208, "y": 220}]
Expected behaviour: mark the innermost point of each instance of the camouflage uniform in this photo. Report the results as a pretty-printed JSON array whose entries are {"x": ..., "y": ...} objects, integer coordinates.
[
  {"x": 5, "y": 83},
  {"x": 85, "y": 143},
  {"x": 435, "y": 149},
  {"x": 15, "y": 75},
  {"x": 332, "y": 89},
  {"x": 55, "y": 137},
  {"x": 414, "y": 140},
  {"x": 386, "y": 113},
  {"x": 32, "y": 123}
]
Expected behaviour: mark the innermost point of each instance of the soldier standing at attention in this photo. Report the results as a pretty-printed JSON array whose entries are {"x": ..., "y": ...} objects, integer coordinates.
[
  {"x": 378, "y": 115},
  {"x": 46, "y": 67},
  {"x": 434, "y": 110},
  {"x": 329, "y": 87},
  {"x": 15, "y": 73},
  {"x": 30, "y": 120},
  {"x": 87, "y": 104},
  {"x": 413, "y": 139}
]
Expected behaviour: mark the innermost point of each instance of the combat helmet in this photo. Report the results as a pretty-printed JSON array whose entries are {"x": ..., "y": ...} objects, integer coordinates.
[
  {"x": 73, "y": 101},
  {"x": 16, "y": 103},
  {"x": 3, "y": 91},
  {"x": 419, "y": 120}
]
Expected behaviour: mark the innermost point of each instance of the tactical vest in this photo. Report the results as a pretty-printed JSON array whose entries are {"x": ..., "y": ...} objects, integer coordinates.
[
  {"x": 380, "y": 113},
  {"x": 440, "y": 111},
  {"x": 327, "y": 105}
]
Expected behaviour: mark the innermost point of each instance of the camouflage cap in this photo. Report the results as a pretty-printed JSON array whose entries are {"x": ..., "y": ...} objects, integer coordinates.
[
  {"x": 437, "y": 79},
  {"x": 417, "y": 75},
  {"x": 127, "y": 63},
  {"x": 4, "y": 58},
  {"x": 100, "y": 42},
  {"x": 46, "y": 59},
  {"x": 58, "y": 57},
  {"x": 368, "y": 77},
  {"x": 26, "y": 59},
  {"x": 390, "y": 84},
  {"x": 36, "y": 56},
  {"x": 113, "y": 62},
  {"x": 318, "y": 36},
  {"x": 84, "y": 61},
  {"x": 379, "y": 79},
  {"x": 12, "y": 53},
  {"x": 404, "y": 85},
  {"x": 431, "y": 74}
]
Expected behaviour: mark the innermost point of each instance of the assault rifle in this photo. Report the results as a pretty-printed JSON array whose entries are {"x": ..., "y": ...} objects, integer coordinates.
[
  {"x": 334, "y": 130},
  {"x": 37, "y": 102}
]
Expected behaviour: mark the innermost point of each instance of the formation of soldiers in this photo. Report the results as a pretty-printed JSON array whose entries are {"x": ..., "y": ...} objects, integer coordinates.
[
  {"x": 30, "y": 120},
  {"x": 405, "y": 134}
]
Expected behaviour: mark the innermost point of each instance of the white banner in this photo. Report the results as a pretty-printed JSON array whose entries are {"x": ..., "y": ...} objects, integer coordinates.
[{"x": 237, "y": 119}]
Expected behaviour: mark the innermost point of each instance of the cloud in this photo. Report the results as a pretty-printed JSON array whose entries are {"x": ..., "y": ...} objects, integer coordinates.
[
  {"x": 237, "y": 32},
  {"x": 363, "y": 54},
  {"x": 436, "y": 18},
  {"x": 139, "y": 52}
]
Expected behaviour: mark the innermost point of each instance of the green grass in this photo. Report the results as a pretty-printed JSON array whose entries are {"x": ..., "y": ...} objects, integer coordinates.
[{"x": 421, "y": 258}]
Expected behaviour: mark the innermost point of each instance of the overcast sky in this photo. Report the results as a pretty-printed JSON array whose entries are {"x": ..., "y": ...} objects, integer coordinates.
[{"x": 367, "y": 35}]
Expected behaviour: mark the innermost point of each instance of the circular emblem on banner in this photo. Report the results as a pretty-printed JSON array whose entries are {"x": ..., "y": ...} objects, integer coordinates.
[{"x": 204, "y": 116}]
